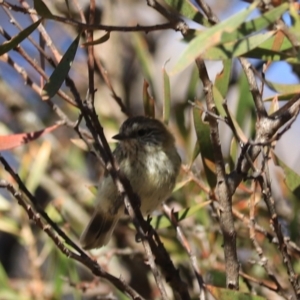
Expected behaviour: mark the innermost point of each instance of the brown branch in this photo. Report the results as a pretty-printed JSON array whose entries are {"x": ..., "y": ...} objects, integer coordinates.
[
  {"x": 222, "y": 189},
  {"x": 212, "y": 18},
  {"x": 177, "y": 23},
  {"x": 82, "y": 26}
]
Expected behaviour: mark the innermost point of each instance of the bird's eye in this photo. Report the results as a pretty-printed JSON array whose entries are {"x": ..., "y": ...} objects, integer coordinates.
[{"x": 142, "y": 132}]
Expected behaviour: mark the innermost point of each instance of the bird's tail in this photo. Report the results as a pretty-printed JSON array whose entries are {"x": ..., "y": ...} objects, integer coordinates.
[{"x": 99, "y": 230}]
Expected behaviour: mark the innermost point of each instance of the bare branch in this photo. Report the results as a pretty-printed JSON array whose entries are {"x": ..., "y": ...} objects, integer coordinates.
[
  {"x": 82, "y": 26},
  {"x": 222, "y": 189}
]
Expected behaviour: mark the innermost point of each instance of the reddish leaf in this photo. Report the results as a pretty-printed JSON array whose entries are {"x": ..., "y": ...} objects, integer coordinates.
[{"x": 11, "y": 141}]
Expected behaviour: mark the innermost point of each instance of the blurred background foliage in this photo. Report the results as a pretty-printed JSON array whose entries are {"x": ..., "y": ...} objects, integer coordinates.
[{"x": 62, "y": 175}]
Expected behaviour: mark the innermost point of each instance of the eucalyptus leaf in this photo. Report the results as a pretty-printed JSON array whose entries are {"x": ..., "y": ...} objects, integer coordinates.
[
  {"x": 42, "y": 9},
  {"x": 167, "y": 96},
  {"x": 205, "y": 147},
  {"x": 61, "y": 71},
  {"x": 292, "y": 179},
  {"x": 16, "y": 40}
]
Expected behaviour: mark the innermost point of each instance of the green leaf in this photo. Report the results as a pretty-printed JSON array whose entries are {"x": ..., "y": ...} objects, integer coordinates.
[
  {"x": 188, "y": 10},
  {"x": 249, "y": 27},
  {"x": 219, "y": 101},
  {"x": 163, "y": 221},
  {"x": 101, "y": 40},
  {"x": 144, "y": 57},
  {"x": 61, "y": 71},
  {"x": 16, "y": 40},
  {"x": 233, "y": 152},
  {"x": 181, "y": 184},
  {"x": 264, "y": 20},
  {"x": 292, "y": 179},
  {"x": 149, "y": 103},
  {"x": 3, "y": 277},
  {"x": 271, "y": 55},
  {"x": 245, "y": 104},
  {"x": 268, "y": 45},
  {"x": 226, "y": 294},
  {"x": 167, "y": 96},
  {"x": 282, "y": 97},
  {"x": 237, "y": 48},
  {"x": 205, "y": 147},
  {"x": 283, "y": 88},
  {"x": 211, "y": 37},
  {"x": 223, "y": 78},
  {"x": 42, "y": 9},
  {"x": 193, "y": 83}
]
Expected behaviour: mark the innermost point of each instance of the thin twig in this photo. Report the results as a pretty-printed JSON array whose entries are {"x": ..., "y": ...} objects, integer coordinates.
[
  {"x": 177, "y": 23},
  {"x": 82, "y": 26},
  {"x": 265, "y": 185},
  {"x": 184, "y": 242}
]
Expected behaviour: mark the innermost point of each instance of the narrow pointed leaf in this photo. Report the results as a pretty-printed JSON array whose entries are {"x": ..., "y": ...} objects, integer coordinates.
[
  {"x": 149, "y": 103},
  {"x": 61, "y": 71},
  {"x": 101, "y": 40},
  {"x": 16, "y": 40},
  {"x": 144, "y": 57},
  {"x": 245, "y": 104},
  {"x": 248, "y": 27},
  {"x": 205, "y": 147},
  {"x": 265, "y": 20},
  {"x": 281, "y": 97},
  {"x": 223, "y": 78},
  {"x": 292, "y": 179},
  {"x": 167, "y": 96},
  {"x": 233, "y": 152},
  {"x": 283, "y": 88},
  {"x": 42, "y": 9},
  {"x": 4, "y": 279},
  {"x": 237, "y": 48},
  {"x": 8, "y": 142}
]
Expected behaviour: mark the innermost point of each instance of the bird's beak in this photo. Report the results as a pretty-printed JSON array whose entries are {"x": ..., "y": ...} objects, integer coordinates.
[{"x": 119, "y": 137}]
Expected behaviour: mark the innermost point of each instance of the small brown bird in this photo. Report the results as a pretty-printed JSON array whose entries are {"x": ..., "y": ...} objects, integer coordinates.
[{"x": 147, "y": 155}]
